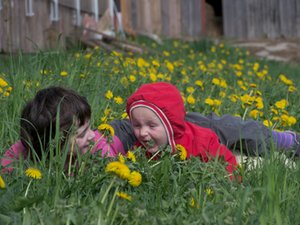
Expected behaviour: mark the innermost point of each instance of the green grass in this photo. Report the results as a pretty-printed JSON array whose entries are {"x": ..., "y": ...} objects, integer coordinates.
[{"x": 269, "y": 193}]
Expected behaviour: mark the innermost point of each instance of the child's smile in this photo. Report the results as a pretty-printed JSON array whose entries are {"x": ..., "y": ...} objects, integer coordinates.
[{"x": 148, "y": 128}]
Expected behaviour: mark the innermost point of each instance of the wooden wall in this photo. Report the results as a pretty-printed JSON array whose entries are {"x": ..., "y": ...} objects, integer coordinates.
[
  {"x": 19, "y": 32},
  {"x": 167, "y": 18},
  {"x": 252, "y": 19}
]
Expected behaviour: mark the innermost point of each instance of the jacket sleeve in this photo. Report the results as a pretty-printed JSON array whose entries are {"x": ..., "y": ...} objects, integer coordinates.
[
  {"x": 13, "y": 154},
  {"x": 216, "y": 149},
  {"x": 123, "y": 130},
  {"x": 107, "y": 148}
]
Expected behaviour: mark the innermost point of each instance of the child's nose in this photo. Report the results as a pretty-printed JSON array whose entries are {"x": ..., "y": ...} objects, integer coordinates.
[
  {"x": 91, "y": 135},
  {"x": 143, "y": 132}
]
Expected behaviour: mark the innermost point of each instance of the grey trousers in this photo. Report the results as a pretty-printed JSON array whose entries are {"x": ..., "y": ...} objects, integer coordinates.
[{"x": 250, "y": 137}]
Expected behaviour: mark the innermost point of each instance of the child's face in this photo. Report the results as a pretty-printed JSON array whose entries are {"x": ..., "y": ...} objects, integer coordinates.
[
  {"x": 83, "y": 138},
  {"x": 148, "y": 128}
]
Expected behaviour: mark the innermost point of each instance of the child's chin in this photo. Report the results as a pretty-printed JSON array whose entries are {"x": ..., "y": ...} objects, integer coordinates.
[{"x": 153, "y": 150}]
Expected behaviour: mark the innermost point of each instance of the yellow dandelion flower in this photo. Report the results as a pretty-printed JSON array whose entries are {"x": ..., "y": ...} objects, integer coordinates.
[
  {"x": 222, "y": 94},
  {"x": 285, "y": 80},
  {"x": 170, "y": 67},
  {"x": 118, "y": 100},
  {"x": 104, "y": 119},
  {"x": 223, "y": 84},
  {"x": 216, "y": 81},
  {"x": 268, "y": 123},
  {"x": 142, "y": 63},
  {"x": 254, "y": 113},
  {"x": 209, "y": 191},
  {"x": 233, "y": 98},
  {"x": 256, "y": 66},
  {"x": 130, "y": 155},
  {"x": 209, "y": 101},
  {"x": 238, "y": 73},
  {"x": 63, "y": 73},
  {"x": 124, "y": 195},
  {"x": 292, "y": 89},
  {"x": 87, "y": 56},
  {"x": 106, "y": 128},
  {"x": 115, "y": 53},
  {"x": 292, "y": 121},
  {"x": 109, "y": 94},
  {"x": 199, "y": 83},
  {"x": 120, "y": 169},
  {"x": 217, "y": 102},
  {"x": 191, "y": 100},
  {"x": 167, "y": 54},
  {"x": 155, "y": 63},
  {"x": 275, "y": 111},
  {"x": 182, "y": 151},
  {"x": 281, "y": 104},
  {"x": 288, "y": 120},
  {"x": 190, "y": 90},
  {"x": 124, "y": 115},
  {"x": 33, "y": 173},
  {"x": 193, "y": 203},
  {"x": 121, "y": 158},
  {"x": 259, "y": 103},
  {"x": 3, "y": 83},
  {"x": 2, "y": 183},
  {"x": 132, "y": 78},
  {"x": 153, "y": 77},
  {"x": 247, "y": 99},
  {"x": 135, "y": 179}
]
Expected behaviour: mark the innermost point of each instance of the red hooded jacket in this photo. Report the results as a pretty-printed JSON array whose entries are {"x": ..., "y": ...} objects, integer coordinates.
[{"x": 165, "y": 100}]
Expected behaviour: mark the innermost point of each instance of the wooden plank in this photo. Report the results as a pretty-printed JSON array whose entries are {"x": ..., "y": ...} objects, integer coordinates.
[
  {"x": 147, "y": 22},
  {"x": 127, "y": 17},
  {"x": 197, "y": 19},
  {"x": 296, "y": 24},
  {"x": 286, "y": 17},
  {"x": 146, "y": 16},
  {"x": 165, "y": 17},
  {"x": 86, "y": 6},
  {"x": 16, "y": 35},
  {"x": 140, "y": 15},
  {"x": 174, "y": 15},
  {"x": 156, "y": 16},
  {"x": 185, "y": 17},
  {"x": 134, "y": 14},
  {"x": 6, "y": 38},
  {"x": 228, "y": 12},
  {"x": 241, "y": 24}
]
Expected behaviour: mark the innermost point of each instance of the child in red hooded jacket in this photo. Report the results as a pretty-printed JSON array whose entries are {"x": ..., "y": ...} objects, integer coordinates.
[{"x": 157, "y": 115}]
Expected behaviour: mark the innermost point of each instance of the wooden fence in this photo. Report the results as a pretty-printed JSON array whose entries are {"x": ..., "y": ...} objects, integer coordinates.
[
  {"x": 252, "y": 19},
  {"x": 29, "y": 25},
  {"x": 168, "y": 18},
  {"x": 28, "y": 29}
]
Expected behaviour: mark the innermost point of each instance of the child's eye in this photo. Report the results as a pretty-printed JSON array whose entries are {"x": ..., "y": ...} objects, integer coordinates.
[{"x": 81, "y": 135}]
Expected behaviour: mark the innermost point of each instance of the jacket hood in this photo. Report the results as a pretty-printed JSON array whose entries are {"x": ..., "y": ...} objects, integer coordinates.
[{"x": 165, "y": 100}]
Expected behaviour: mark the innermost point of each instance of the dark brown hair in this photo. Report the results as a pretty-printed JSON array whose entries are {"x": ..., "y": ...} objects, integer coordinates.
[{"x": 50, "y": 107}]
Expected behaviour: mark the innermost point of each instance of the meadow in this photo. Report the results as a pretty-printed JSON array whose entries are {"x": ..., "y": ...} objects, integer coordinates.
[{"x": 212, "y": 78}]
